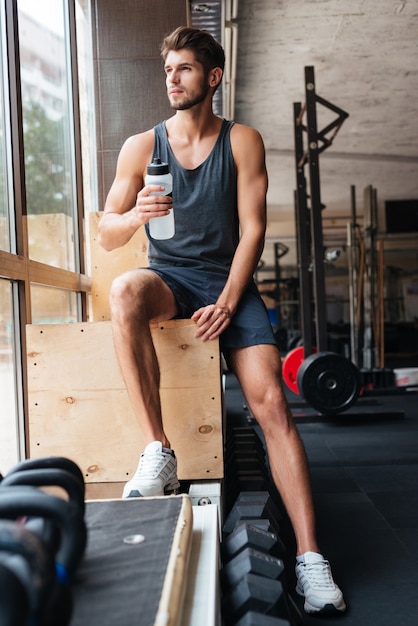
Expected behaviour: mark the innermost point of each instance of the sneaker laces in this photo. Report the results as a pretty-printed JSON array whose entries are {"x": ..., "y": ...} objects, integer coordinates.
[
  {"x": 319, "y": 575},
  {"x": 150, "y": 465}
]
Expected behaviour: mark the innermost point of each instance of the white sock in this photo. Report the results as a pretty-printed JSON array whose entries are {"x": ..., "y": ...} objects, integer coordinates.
[{"x": 301, "y": 557}]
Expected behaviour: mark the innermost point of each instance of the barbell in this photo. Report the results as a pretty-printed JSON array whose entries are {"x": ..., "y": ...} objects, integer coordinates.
[{"x": 328, "y": 382}]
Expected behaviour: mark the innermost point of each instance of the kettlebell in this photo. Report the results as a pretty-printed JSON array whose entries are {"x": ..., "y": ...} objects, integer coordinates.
[
  {"x": 28, "y": 501},
  {"x": 24, "y": 555},
  {"x": 46, "y": 478},
  {"x": 14, "y": 599},
  {"x": 49, "y": 462},
  {"x": 49, "y": 477}
]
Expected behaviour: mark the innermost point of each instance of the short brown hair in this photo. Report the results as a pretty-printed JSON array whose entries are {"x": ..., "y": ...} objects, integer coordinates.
[{"x": 205, "y": 47}]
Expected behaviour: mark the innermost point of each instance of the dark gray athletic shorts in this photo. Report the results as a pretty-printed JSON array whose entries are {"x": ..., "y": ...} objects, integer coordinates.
[{"x": 194, "y": 289}]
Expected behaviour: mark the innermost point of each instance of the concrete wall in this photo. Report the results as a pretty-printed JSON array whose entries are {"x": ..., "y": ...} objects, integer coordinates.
[{"x": 130, "y": 88}]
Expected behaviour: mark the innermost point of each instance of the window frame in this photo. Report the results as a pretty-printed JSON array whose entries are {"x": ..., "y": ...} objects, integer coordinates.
[{"x": 16, "y": 266}]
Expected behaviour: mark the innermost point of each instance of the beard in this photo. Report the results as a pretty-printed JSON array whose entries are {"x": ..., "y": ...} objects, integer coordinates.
[{"x": 190, "y": 101}]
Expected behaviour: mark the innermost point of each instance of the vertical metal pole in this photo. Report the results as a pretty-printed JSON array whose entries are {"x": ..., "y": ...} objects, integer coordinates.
[
  {"x": 353, "y": 205},
  {"x": 74, "y": 91},
  {"x": 352, "y": 290},
  {"x": 318, "y": 266},
  {"x": 353, "y": 278},
  {"x": 23, "y": 309},
  {"x": 302, "y": 236},
  {"x": 369, "y": 356}
]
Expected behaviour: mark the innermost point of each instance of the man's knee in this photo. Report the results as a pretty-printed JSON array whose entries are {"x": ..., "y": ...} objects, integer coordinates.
[
  {"x": 126, "y": 291},
  {"x": 141, "y": 293},
  {"x": 270, "y": 407}
]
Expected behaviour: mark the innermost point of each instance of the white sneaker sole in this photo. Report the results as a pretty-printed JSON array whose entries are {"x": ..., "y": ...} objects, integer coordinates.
[
  {"x": 170, "y": 488},
  {"x": 326, "y": 609}
]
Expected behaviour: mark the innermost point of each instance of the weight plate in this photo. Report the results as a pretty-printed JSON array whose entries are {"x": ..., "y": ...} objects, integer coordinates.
[
  {"x": 291, "y": 365},
  {"x": 328, "y": 382}
]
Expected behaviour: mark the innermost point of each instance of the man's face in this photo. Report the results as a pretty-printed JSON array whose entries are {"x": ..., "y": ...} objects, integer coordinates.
[{"x": 187, "y": 83}]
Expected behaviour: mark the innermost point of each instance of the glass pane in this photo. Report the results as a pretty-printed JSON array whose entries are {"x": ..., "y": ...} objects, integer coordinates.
[
  {"x": 48, "y": 132},
  {"x": 53, "y": 306},
  {"x": 87, "y": 104},
  {"x": 4, "y": 217},
  {"x": 9, "y": 445}
]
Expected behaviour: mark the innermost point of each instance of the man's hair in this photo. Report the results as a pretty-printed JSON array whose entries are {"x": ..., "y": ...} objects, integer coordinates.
[{"x": 206, "y": 49}]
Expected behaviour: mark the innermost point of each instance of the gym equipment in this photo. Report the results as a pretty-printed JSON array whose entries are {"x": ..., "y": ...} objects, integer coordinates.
[
  {"x": 251, "y": 561},
  {"x": 128, "y": 581},
  {"x": 14, "y": 601},
  {"x": 290, "y": 367},
  {"x": 256, "y": 593},
  {"x": 29, "y": 501},
  {"x": 26, "y": 556},
  {"x": 18, "y": 501},
  {"x": 329, "y": 382},
  {"x": 242, "y": 436},
  {"x": 247, "y": 535},
  {"x": 245, "y": 465},
  {"x": 257, "y": 508},
  {"x": 49, "y": 477},
  {"x": 261, "y": 496},
  {"x": 253, "y": 618},
  {"x": 243, "y": 461},
  {"x": 309, "y": 222},
  {"x": 335, "y": 390},
  {"x": 49, "y": 462}
]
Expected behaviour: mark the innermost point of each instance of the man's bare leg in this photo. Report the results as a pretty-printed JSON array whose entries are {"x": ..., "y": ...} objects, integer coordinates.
[
  {"x": 258, "y": 369},
  {"x": 137, "y": 298},
  {"x": 259, "y": 373}
]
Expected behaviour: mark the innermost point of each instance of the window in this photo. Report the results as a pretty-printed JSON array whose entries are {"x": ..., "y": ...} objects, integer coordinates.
[
  {"x": 47, "y": 181},
  {"x": 48, "y": 133},
  {"x": 9, "y": 429},
  {"x": 4, "y": 152}
]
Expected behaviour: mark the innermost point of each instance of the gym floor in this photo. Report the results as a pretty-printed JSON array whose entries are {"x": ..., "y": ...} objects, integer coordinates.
[{"x": 364, "y": 468}]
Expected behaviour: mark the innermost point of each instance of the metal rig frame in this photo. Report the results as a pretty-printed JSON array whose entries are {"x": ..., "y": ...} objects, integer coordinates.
[{"x": 309, "y": 219}]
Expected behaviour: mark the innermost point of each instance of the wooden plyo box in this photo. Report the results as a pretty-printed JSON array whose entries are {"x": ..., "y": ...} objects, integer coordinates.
[
  {"x": 79, "y": 407},
  {"x": 105, "y": 265}
]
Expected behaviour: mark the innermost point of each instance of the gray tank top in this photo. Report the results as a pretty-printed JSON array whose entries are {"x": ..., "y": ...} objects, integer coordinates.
[{"x": 205, "y": 208}]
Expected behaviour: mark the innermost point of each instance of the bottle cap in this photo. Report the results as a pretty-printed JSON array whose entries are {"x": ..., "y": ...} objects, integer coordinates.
[{"x": 157, "y": 167}]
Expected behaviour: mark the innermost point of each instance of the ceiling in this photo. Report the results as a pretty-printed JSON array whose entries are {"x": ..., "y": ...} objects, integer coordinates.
[{"x": 365, "y": 59}]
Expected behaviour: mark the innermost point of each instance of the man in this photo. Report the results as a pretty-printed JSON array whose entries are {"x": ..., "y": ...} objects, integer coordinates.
[{"x": 206, "y": 272}]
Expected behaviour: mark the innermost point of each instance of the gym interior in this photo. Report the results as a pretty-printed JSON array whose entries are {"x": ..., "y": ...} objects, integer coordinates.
[{"x": 333, "y": 90}]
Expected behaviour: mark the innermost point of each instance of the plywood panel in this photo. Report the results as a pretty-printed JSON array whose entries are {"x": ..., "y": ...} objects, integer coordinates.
[
  {"x": 79, "y": 408},
  {"x": 105, "y": 266}
]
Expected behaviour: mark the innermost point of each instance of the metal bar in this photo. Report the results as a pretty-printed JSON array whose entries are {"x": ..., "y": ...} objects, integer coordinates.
[
  {"x": 318, "y": 267},
  {"x": 341, "y": 113},
  {"x": 352, "y": 289},
  {"x": 369, "y": 353},
  {"x": 353, "y": 205},
  {"x": 74, "y": 91},
  {"x": 353, "y": 262},
  {"x": 302, "y": 236},
  {"x": 20, "y": 243}
]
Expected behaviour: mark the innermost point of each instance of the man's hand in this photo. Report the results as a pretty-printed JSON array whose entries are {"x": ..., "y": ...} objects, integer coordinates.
[
  {"x": 150, "y": 203},
  {"x": 211, "y": 321}
]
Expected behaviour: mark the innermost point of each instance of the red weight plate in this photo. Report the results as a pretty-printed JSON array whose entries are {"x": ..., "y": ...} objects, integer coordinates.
[{"x": 291, "y": 365}]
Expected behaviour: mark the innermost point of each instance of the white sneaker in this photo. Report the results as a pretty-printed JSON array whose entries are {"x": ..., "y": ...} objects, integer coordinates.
[
  {"x": 315, "y": 583},
  {"x": 156, "y": 474}
]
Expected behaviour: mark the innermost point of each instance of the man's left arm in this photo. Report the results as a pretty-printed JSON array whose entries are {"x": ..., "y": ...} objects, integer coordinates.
[{"x": 249, "y": 155}]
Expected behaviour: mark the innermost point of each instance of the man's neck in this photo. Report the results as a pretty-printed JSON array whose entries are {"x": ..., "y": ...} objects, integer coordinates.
[
  {"x": 192, "y": 137},
  {"x": 194, "y": 123}
]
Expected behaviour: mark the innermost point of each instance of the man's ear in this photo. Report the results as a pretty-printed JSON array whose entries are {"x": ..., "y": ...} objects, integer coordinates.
[{"x": 215, "y": 76}]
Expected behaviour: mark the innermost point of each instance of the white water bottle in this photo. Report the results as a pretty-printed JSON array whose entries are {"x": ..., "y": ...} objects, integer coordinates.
[{"x": 158, "y": 174}]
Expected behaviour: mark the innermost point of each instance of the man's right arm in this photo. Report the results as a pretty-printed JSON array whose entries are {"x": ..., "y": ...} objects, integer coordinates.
[{"x": 129, "y": 204}]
